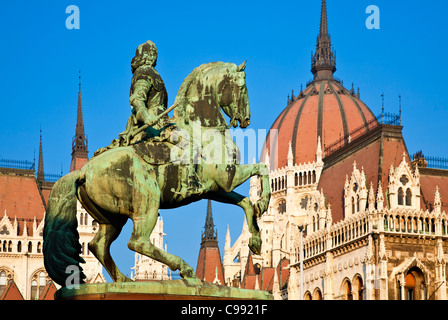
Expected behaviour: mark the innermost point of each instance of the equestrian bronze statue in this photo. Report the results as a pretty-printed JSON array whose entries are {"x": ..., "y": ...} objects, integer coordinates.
[{"x": 157, "y": 163}]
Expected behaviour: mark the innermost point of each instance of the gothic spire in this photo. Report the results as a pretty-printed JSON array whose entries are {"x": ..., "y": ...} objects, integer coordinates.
[
  {"x": 40, "y": 166},
  {"x": 79, "y": 119},
  {"x": 79, "y": 143},
  {"x": 209, "y": 232},
  {"x": 323, "y": 61},
  {"x": 323, "y": 19}
]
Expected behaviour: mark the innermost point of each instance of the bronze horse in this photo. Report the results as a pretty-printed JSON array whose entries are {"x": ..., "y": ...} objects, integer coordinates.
[{"x": 120, "y": 183}]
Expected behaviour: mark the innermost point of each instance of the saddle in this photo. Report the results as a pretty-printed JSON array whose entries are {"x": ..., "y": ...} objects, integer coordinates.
[{"x": 158, "y": 152}]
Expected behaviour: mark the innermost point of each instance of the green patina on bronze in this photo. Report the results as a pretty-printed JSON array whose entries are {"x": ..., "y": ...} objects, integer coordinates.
[
  {"x": 179, "y": 289},
  {"x": 157, "y": 163}
]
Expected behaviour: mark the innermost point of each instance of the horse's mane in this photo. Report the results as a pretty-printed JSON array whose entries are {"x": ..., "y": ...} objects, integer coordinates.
[{"x": 196, "y": 75}]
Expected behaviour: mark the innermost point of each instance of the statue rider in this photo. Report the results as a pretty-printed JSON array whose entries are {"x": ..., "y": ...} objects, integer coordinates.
[{"x": 148, "y": 99}]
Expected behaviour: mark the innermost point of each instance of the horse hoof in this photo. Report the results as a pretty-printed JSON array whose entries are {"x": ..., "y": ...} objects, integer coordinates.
[
  {"x": 194, "y": 281},
  {"x": 255, "y": 245}
]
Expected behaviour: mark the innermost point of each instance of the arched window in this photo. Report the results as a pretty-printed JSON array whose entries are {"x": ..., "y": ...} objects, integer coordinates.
[
  {"x": 409, "y": 286},
  {"x": 347, "y": 290},
  {"x": 81, "y": 218},
  {"x": 3, "y": 281},
  {"x": 85, "y": 218},
  {"x": 38, "y": 285},
  {"x": 34, "y": 288},
  {"x": 296, "y": 179},
  {"x": 317, "y": 295},
  {"x": 408, "y": 197},
  {"x": 307, "y": 296},
  {"x": 30, "y": 247},
  {"x": 358, "y": 288},
  {"x": 300, "y": 179},
  {"x": 282, "y": 207},
  {"x": 400, "y": 196},
  {"x": 19, "y": 246},
  {"x": 353, "y": 205},
  {"x": 314, "y": 176}
]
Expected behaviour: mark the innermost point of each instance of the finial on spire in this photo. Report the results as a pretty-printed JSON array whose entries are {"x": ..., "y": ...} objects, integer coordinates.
[{"x": 323, "y": 61}]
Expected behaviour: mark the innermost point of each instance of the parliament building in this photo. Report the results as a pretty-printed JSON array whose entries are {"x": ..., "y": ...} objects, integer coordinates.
[{"x": 353, "y": 215}]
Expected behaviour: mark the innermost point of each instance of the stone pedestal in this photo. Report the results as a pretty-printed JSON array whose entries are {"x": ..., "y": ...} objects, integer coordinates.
[{"x": 158, "y": 290}]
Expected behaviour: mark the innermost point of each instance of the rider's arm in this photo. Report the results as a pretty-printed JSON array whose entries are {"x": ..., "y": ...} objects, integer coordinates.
[{"x": 138, "y": 101}]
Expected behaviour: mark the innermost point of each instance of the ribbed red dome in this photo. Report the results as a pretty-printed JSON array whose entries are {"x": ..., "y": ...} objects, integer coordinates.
[{"x": 326, "y": 109}]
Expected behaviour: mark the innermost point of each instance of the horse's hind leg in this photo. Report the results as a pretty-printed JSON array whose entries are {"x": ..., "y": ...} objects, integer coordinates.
[
  {"x": 146, "y": 206},
  {"x": 248, "y": 207},
  {"x": 100, "y": 247}
]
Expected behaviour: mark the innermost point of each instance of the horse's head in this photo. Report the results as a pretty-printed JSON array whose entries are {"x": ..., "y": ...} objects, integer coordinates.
[
  {"x": 234, "y": 99},
  {"x": 210, "y": 88}
]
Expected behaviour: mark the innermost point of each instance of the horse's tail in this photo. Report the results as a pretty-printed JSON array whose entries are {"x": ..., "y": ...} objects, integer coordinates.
[{"x": 61, "y": 246}]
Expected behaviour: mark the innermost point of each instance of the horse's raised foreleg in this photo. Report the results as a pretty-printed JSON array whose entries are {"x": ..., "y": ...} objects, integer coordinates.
[
  {"x": 245, "y": 203},
  {"x": 146, "y": 206},
  {"x": 100, "y": 247},
  {"x": 231, "y": 176}
]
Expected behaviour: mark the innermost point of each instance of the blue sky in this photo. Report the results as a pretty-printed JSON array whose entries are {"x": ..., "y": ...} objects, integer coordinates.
[{"x": 40, "y": 59}]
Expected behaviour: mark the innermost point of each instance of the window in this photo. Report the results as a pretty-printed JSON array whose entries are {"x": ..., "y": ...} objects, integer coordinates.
[
  {"x": 353, "y": 205},
  {"x": 409, "y": 286},
  {"x": 2, "y": 281},
  {"x": 404, "y": 179},
  {"x": 38, "y": 285},
  {"x": 408, "y": 197},
  {"x": 4, "y": 230},
  {"x": 282, "y": 207},
  {"x": 34, "y": 288},
  {"x": 347, "y": 290},
  {"x": 400, "y": 196},
  {"x": 304, "y": 202},
  {"x": 358, "y": 293}
]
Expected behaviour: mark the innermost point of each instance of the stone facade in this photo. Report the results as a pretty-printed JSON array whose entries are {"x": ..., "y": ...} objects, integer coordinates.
[
  {"x": 21, "y": 240},
  {"x": 354, "y": 218}
]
